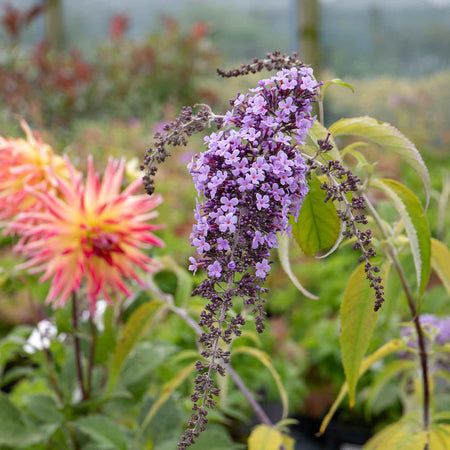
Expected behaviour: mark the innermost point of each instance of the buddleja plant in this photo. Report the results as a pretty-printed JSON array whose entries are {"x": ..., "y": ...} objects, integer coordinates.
[{"x": 271, "y": 169}]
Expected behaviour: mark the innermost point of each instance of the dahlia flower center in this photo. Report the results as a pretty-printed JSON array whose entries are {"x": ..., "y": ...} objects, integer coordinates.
[{"x": 100, "y": 243}]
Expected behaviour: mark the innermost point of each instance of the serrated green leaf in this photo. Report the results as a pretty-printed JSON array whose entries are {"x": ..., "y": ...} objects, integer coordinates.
[
  {"x": 358, "y": 320},
  {"x": 416, "y": 226},
  {"x": 145, "y": 358},
  {"x": 388, "y": 137},
  {"x": 13, "y": 430},
  {"x": 318, "y": 225},
  {"x": 318, "y": 131},
  {"x": 406, "y": 434},
  {"x": 103, "y": 431},
  {"x": 44, "y": 408},
  {"x": 440, "y": 437},
  {"x": 265, "y": 359},
  {"x": 137, "y": 325},
  {"x": 440, "y": 262},
  {"x": 283, "y": 254},
  {"x": 264, "y": 437},
  {"x": 387, "y": 349},
  {"x": 167, "y": 390},
  {"x": 336, "y": 82}
]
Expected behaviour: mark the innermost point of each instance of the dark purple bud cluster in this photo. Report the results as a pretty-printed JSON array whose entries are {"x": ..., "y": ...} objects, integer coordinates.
[
  {"x": 342, "y": 181},
  {"x": 273, "y": 61},
  {"x": 174, "y": 134},
  {"x": 251, "y": 180}
]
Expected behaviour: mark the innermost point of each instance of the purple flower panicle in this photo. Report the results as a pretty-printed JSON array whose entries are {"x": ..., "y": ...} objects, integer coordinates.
[{"x": 250, "y": 179}]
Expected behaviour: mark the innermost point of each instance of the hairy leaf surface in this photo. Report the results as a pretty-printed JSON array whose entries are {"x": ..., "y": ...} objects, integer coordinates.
[
  {"x": 416, "y": 225},
  {"x": 388, "y": 137}
]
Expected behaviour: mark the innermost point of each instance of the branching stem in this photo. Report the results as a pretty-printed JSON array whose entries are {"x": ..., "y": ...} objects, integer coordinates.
[{"x": 392, "y": 252}]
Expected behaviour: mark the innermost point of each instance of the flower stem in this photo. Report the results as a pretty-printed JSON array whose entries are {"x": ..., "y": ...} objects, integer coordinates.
[
  {"x": 76, "y": 343},
  {"x": 262, "y": 416},
  {"x": 91, "y": 353},
  {"x": 392, "y": 252}
]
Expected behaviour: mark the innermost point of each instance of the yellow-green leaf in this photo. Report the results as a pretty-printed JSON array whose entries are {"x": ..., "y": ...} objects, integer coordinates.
[
  {"x": 264, "y": 437},
  {"x": 283, "y": 254},
  {"x": 264, "y": 358},
  {"x": 416, "y": 226},
  {"x": 318, "y": 226},
  {"x": 133, "y": 331},
  {"x": 358, "y": 320},
  {"x": 440, "y": 437},
  {"x": 440, "y": 262},
  {"x": 406, "y": 434},
  {"x": 388, "y": 137},
  {"x": 388, "y": 348},
  {"x": 336, "y": 82}
]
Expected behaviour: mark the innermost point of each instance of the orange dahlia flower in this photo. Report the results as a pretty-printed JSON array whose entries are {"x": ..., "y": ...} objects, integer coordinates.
[
  {"x": 23, "y": 164},
  {"x": 93, "y": 232}
]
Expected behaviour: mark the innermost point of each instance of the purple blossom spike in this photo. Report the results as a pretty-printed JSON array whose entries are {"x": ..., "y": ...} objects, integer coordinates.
[{"x": 251, "y": 178}]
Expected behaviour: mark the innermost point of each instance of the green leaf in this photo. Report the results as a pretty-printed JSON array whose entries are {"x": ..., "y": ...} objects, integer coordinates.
[
  {"x": 354, "y": 145},
  {"x": 135, "y": 328},
  {"x": 397, "y": 437},
  {"x": 443, "y": 209},
  {"x": 167, "y": 390},
  {"x": 44, "y": 408},
  {"x": 264, "y": 437},
  {"x": 387, "y": 349},
  {"x": 13, "y": 430},
  {"x": 318, "y": 131},
  {"x": 358, "y": 320},
  {"x": 184, "y": 279},
  {"x": 440, "y": 262},
  {"x": 283, "y": 254},
  {"x": 103, "y": 431},
  {"x": 440, "y": 437},
  {"x": 388, "y": 137},
  {"x": 106, "y": 341},
  {"x": 336, "y": 82},
  {"x": 318, "y": 225},
  {"x": 406, "y": 434},
  {"x": 145, "y": 358},
  {"x": 13, "y": 343},
  {"x": 359, "y": 157},
  {"x": 416, "y": 225},
  {"x": 392, "y": 370},
  {"x": 264, "y": 358}
]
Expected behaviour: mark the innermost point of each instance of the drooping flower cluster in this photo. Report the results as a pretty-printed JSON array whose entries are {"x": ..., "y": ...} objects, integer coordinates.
[
  {"x": 352, "y": 215},
  {"x": 252, "y": 178},
  {"x": 26, "y": 164},
  {"x": 93, "y": 232}
]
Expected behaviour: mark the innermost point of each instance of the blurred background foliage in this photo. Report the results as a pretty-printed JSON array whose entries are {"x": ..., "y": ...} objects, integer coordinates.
[{"x": 113, "y": 77}]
